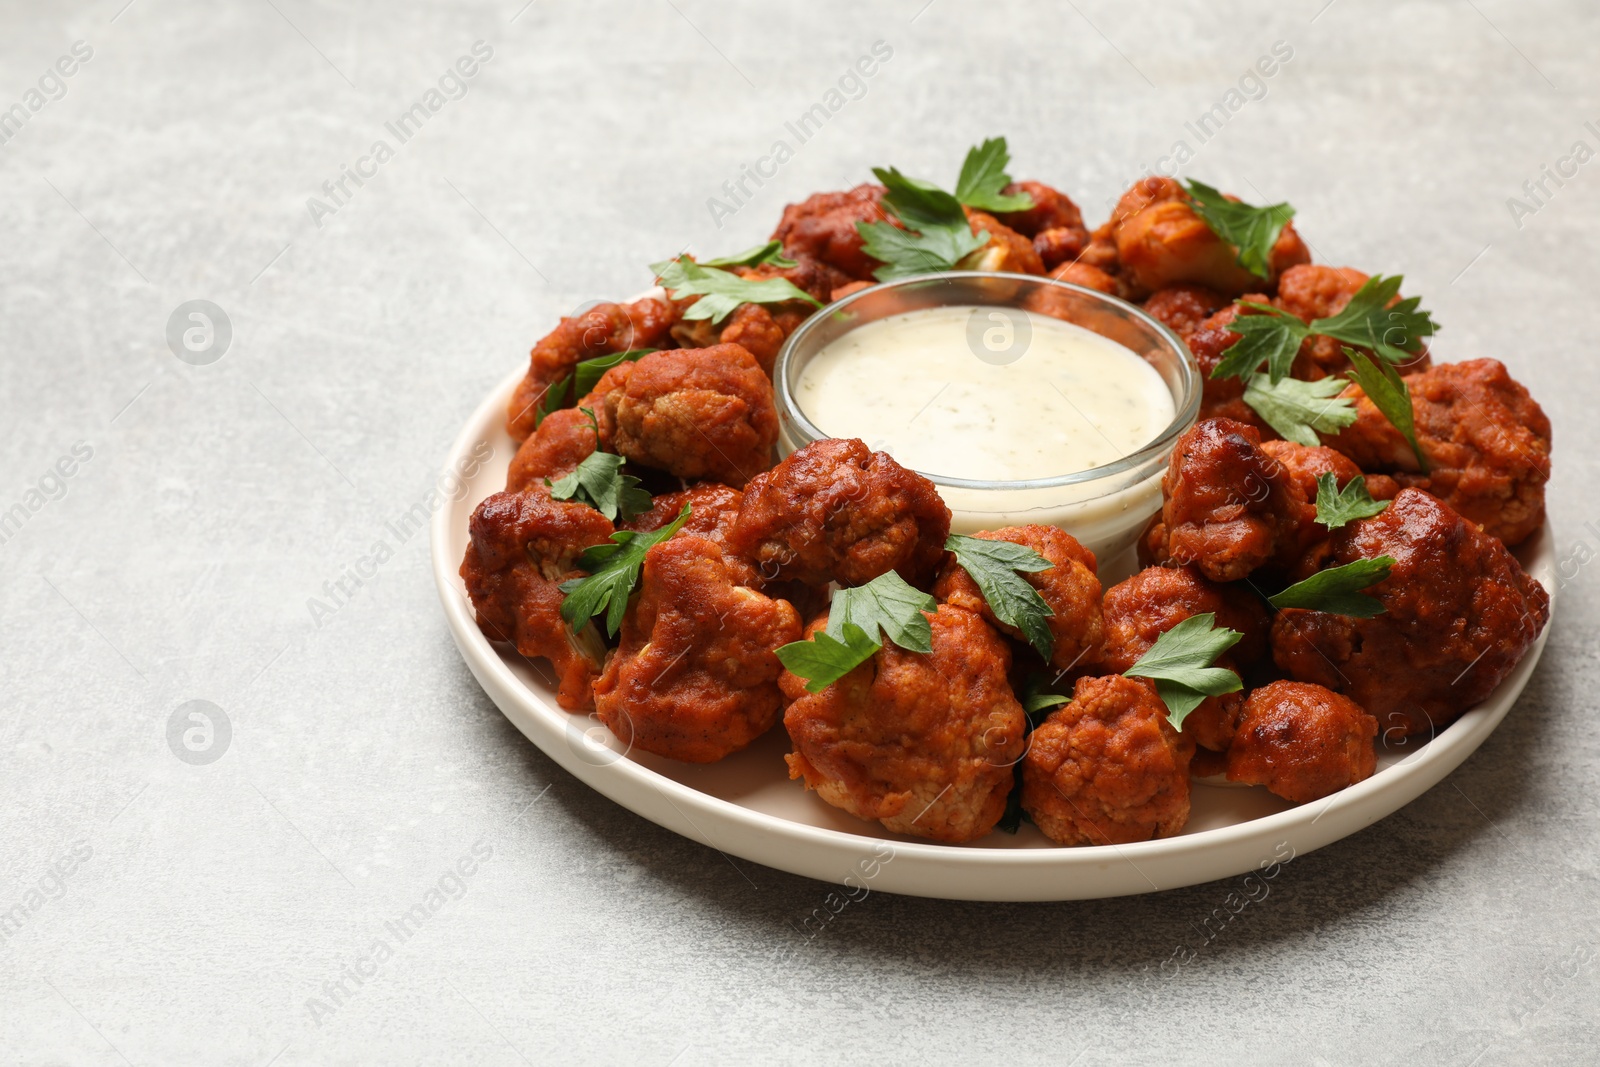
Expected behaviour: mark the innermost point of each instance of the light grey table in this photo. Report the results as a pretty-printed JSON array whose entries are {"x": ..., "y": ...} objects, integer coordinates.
[{"x": 173, "y": 895}]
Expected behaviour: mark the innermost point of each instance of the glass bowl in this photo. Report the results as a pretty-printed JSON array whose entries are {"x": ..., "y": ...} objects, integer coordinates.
[{"x": 1104, "y": 507}]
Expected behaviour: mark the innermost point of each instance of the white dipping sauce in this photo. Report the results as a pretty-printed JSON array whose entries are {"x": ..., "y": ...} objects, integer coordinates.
[{"x": 986, "y": 393}]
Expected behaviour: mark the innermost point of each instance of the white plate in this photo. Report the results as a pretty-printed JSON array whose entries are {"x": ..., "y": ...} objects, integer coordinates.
[{"x": 746, "y": 805}]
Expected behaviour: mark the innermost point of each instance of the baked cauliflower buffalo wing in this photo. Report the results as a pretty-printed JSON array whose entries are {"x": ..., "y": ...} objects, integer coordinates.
[
  {"x": 1107, "y": 768},
  {"x": 1161, "y": 241},
  {"x": 1302, "y": 741},
  {"x": 1458, "y": 615},
  {"x": 923, "y": 743},
  {"x": 524, "y": 545},
  {"x": 823, "y": 227},
  {"x": 1487, "y": 443},
  {"x": 834, "y": 511},
  {"x": 1140, "y": 609},
  {"x": 1005, "y": 250},
  {"x": 601, "y": 330},
  {"x": 1053, "y": 223},
  {"x": 695, "y": 677},
  {"x": 1070, "y": 587},
  {"x": 692, "y": 412},
  {"x": 563, "y": 440},
  {"x": 1229, "y": 507}
]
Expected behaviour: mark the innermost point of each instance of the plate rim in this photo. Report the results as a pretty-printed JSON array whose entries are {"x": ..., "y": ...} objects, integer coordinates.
[{"x": 621, "y": 778}]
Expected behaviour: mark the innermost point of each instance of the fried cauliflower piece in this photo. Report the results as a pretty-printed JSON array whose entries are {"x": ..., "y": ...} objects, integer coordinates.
[
  {"x": 563, "y": 440},
  {"x": 1302, "y": 742},
  {"x": 823, "y": 227},
  {"x": 1161, "y": 241},
  {"x": 1458, "y": 615},
  {"x": 1070, "y": 587},
  {"x": 923, "y": 743},
  {"x": 1487, "y": 443},
  {"x": 1223, "y": 398},
  {"x": 1006, "y": 250},
  {"x": 1140, "y": 609},
  {"x": 1107, "y": 768},
  {"x": 1054, "y": 223},
  {"x": 836, "y": 512},
  {"x": 692, "y": 412},
  {"x": 524, "y": 545},
  {"x": 713, "y": 507},
  {"x": 1088, "y": 277},
  {"x": 696, "y": 677},
  {"x": 1229, "y": 508},
  {"x": 1183, "y": 308},
  {"x": 1303, "y": 465},
  {"x": 601, "y": 330},
  {"x": 1310, "y": 292}
]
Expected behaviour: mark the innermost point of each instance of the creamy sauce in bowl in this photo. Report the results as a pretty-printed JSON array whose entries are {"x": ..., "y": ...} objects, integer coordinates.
[{"x": 985, "y": 393}]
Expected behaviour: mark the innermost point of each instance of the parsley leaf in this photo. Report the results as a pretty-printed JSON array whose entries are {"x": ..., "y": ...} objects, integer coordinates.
[
  {"x": 823, "y": 660},
  {"x": 937, "y": 237},
  {"x": 588, "y": 373},
  {"x": 599, "y": 482},
  {"x": 1300, "y": 410},
  {"x": 1180, "y": 663},
  {"x": 555, "y": 398},
  {"x": 771, "y": 252},
  {"x": 994, "y": 565},
  {"x": 1395, "y": 333},
  {"x": 1252, "y": 230},
  {"x": 983, "y": 177},
  {"x": 613, "y": 572},
  {"x": 1388, "y": 393},
  {"x": 1336, "y": 507},
  {"x": 889, "y": 605},
  {"x": 721, "y": 291},
  {"x": 1038, "y": 701},
  {"x": 1272, "y": 337},
  {"x": 859, "y": 620},
  {"x": 1337, "y": 590}
]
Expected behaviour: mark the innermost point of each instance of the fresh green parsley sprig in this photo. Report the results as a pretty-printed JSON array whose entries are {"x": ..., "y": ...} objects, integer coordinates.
[
  {"x": 1180, "y": 663},
  {"x": 983, "y": 179},
  {"x": 1252, "y": 230},
  {"x": 1273, "y": 336},
  {"x": 1337, "y": 507},
  {"x": 937, "y": 235},
  {"x": 599, "y": 482},
  {"x": 1389, "y": 394},
  {"x": 1300, "y": 410},
  {"x": 614, "y": 570},
  {"x": 722, "y": 291},
  {"x": 997, "y": 568},
  {"x": 859, "y": 621},
  {"x": 1337, "y": 590},
  {"x": 770, "y": 253}
]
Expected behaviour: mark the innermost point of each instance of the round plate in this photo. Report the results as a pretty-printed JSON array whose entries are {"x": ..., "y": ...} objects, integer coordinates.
[{"x": 747, "y": 806}]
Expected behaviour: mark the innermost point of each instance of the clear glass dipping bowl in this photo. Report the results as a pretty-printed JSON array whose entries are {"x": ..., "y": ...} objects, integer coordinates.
[{"x": 1104, "y": 507}]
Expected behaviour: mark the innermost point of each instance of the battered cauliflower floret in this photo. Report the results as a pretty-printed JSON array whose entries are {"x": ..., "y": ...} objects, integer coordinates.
[
  {"x": 836, "y": 512},
  {"x": 1161, "y": 241},
  {"x": 1107, "y": 768},
  {"x": 1070, "y": 587},
  {"x": 696, "y": 676},
  {"x": 1302, "y": 742},
  {"x": 1487, "y": 443},
  {"x": 923, "y": 743},
  {"x": 524, "y": 545},
  {"x": 563, "y": 440},
  {"x": 1223, "y": 398},
  {"x": 1459, "y": 613},
  {"x": 1183, "y": 308},
  {"x": 692, "y": 412},
  {"x": 1229, "y": 508},
  {"x": 1006, "y": 250},
  {"x": 1142, "y": 608},
  {"x": 1088, "y": 277},
  {"x": 713, "y": 508},
  {"x": 1303, "y": 465},
  {"x": 823, "y": 227},
  {"x": 1054, "y": 223},
  {"x": 601, "y": 330}
]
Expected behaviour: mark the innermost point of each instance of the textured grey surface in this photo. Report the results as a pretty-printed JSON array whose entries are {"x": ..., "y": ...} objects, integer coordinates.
[{"x": 218, "y": 900}]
